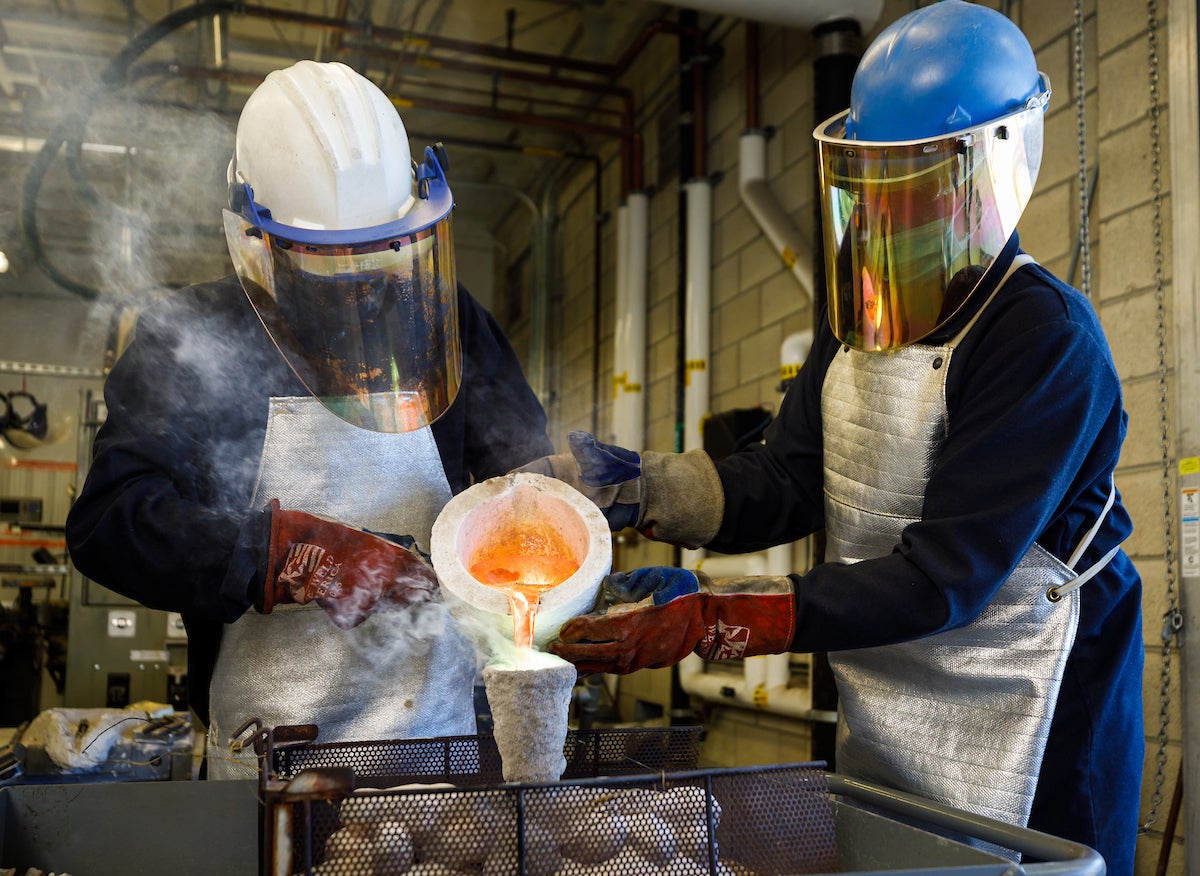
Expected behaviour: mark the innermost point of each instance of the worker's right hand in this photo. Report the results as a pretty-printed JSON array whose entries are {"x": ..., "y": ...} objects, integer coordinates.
[
  {"x": 349, "y": 572},
  {"x": 652, "y": 618}
]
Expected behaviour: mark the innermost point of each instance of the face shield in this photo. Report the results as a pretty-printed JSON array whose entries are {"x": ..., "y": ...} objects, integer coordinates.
[
  {"x": 366, "y": 318},
  {"x": 910, "y": 228}
]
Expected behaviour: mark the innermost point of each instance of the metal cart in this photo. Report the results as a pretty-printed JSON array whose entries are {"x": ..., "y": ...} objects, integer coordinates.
[
  {"x": 634, "y": 785},
  {"x": 631, "y": 802}
]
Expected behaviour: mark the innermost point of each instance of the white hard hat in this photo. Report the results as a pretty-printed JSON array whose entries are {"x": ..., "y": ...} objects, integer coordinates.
[
  {"x": 323, "y": 147},
  {"x": 344, "y": 246}
]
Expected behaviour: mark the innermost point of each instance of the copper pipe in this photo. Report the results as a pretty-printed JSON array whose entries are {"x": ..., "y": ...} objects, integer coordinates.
[
  {"x": 631, "y": 146},
  {"x": 373, "y": 33},
  {"x": 751, "y": 75},
  {"x": 253, "y": 79},
  {"x": 518, "y": 75},
  {"x": 699, "y": 113},
  {"x": 662, "y": 26}
]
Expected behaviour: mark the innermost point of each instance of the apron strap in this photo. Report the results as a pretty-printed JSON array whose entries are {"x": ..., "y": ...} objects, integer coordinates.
[
  {"x": 1056, "y": 593},
  {"x": 1020, "y": 260}
]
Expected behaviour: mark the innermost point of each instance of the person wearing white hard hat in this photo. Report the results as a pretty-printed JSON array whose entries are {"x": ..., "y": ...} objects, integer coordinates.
[
  {"x": 278, "y": 443},
  {"x": 954, "y": 432}
]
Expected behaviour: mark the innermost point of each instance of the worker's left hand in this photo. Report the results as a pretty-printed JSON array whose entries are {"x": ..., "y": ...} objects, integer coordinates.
[
  {"x": 671, "y": 497},
  {"x": 655, "y": 617},
  {"x": 610, "y": 476}
]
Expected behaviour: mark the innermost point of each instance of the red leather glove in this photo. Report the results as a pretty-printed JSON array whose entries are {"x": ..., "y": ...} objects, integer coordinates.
[
  {"x": 657, "y": 616},
  {"x": 349, "y": 572}
]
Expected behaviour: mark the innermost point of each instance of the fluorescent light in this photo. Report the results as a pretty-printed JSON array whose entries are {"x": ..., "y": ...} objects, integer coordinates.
[{"x": 33, "y": 144}]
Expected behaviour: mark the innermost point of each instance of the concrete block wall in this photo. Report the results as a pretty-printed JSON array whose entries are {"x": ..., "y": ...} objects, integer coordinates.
[{"x": 756, "y": 302}]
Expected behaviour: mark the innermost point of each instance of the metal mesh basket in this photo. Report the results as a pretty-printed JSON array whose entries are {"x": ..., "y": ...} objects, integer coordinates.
[
  {"x": 630, "y": 801},
  {"x": 762, "y": 820},
  {"x": 475, "y": 760}
]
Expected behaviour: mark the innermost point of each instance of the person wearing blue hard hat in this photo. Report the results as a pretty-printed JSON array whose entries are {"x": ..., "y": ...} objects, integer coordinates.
[{"x": 954, "y": 432}]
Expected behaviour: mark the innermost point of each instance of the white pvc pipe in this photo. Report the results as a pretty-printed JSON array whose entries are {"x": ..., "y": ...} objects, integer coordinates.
[
  {"x": 629, "y": 372},
  {"x": 764, "y": 682},
  {"x": 767, "y": 212},
  {"x": 761, "y": 686},
  {"x": 793, "y": 353},
  {"x": 621, "y": 306},
  {"x": 698, "y": 309},
  {"x": 807, "y": 14}
]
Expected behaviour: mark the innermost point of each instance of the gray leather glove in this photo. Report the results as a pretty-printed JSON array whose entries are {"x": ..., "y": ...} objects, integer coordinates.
[{"x": 671, "y": 497}]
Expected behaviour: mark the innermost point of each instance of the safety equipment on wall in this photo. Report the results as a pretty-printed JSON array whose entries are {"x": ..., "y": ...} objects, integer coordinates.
[
  {"x": 655, "y": 617},
  {"x": 924, "y": 177},
  {"x": 352, "y": 272},
  {"x": 23, "y": 420}
]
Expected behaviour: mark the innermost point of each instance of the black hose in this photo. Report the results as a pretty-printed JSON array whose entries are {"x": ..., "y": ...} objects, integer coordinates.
[{"x": 114, "y": 73}]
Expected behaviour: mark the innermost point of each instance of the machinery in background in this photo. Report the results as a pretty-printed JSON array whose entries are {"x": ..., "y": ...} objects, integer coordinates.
[
  {"x": 119, "y": 652},
  {"x": 33, "y": 636}
]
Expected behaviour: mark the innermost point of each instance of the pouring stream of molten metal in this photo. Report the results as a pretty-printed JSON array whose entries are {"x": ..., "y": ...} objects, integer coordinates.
[{"x": 523, "y": 560}]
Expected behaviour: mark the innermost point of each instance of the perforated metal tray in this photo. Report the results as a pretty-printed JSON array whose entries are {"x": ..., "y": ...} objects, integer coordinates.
[{"x": 438, "y": 806}]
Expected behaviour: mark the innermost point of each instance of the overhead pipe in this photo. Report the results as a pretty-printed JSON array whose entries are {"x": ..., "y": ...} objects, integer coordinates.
[
  {"x": 116, "y": 70},
  {"x": 421, "y": 102},
  {"x": 790, "y": 13},
  {"x": 375, "y": 33},
  {"x": 631, "y": 169}
]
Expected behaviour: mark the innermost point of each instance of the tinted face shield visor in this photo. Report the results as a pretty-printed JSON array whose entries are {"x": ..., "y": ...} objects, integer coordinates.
[
  {"x": 910, "y": 228},
  {"x": 366, "y": 318}
]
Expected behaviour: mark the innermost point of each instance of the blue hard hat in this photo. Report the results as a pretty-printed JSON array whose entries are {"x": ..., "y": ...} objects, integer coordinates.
[{"x": 943, "y": 68}]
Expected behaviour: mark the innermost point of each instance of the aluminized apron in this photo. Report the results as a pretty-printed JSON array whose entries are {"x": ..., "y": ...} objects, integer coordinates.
[
  {"x": 960, "y": 717},
  {"x": 399, "y": 674}
]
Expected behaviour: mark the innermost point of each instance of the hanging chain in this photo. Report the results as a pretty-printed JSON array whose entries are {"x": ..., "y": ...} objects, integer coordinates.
[
  {"x": 1085, "y": 243},
  {"x": 1173, "y": 618}
]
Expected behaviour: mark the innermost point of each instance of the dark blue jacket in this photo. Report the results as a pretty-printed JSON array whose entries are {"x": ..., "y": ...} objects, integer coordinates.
[
  {"x": 1035, "y": 430},
  {"x": 164, "y": 515}
]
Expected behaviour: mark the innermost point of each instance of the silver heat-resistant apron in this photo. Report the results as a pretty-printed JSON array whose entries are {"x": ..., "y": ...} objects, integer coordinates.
[
  {"x": 399, "y": 674},
  {"x": 960, "y": 717}
]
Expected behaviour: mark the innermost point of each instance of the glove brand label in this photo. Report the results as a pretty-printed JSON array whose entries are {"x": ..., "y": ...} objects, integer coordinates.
[
  {"x": 309, "y": 572},
  {"x": 724, "y": 641}
]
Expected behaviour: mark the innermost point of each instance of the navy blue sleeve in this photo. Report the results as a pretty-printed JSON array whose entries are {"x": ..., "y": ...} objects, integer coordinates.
[
  {"x": 163, "y": 516},
  {"x": 1035, "y": 429},
  {"x": 496, "y": 423},
  {"x": 773, "y": 490}
]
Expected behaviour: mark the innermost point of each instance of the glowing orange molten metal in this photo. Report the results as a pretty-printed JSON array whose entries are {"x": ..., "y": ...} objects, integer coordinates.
[{"x": 523, "y": 559}]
